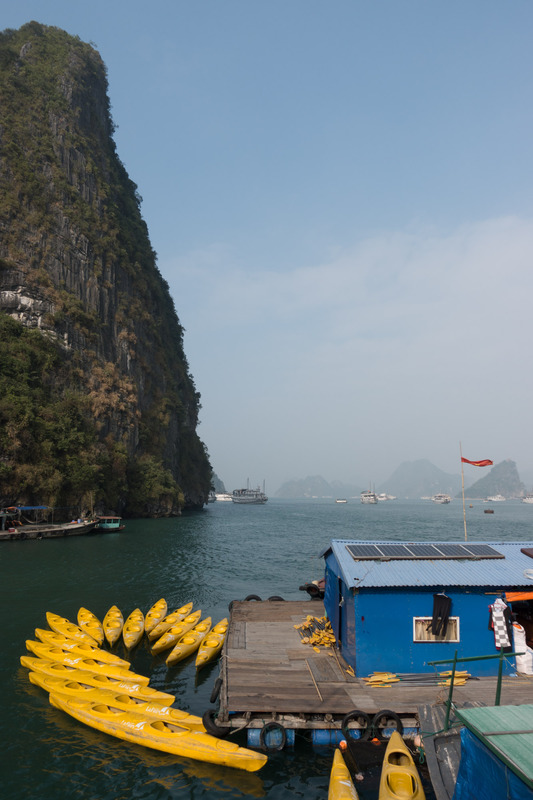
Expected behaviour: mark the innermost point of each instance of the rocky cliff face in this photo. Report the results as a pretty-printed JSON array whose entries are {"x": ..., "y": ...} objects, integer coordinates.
[{"x": 77, "y": 265}]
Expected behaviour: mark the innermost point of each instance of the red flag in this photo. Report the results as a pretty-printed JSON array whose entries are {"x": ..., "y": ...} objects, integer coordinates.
[{"x": 486, "y": 463}]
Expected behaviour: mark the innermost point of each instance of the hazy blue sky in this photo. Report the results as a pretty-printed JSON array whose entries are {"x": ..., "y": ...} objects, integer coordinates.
[{"x": 340, "y": 196}]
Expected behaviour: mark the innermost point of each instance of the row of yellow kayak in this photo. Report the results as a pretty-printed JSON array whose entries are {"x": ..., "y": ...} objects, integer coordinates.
[
  {"x": 399, "y": 776},
  {"x": 99, "y": 689},
  {"x": 183, "y": 631}
]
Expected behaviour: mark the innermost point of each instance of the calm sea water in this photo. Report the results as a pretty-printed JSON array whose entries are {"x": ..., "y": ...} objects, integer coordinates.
[{"x": 210, "y": 557}]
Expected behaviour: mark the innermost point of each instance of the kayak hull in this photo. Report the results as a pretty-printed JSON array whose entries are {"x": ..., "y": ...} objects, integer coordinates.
[
  {"x": 189, "y": 643},
  {"x": 159, "y": 735},
  {"x": 167, "y": 622},
  {"x": 399, "y": 775},
  {"x": 90, "y": 624},
  {"x": 90, "y": 664},
  {"x": 123, "y": 701},
  {"x": 113, "y": 624},
  {"x": 65, "y": 627},
  {"x": 133, "y": 629},
  {"x": 155, "y": 615},
  {"x": 81, "y": 649},
  {"x": 172, "y": 636},
  {"x": 130, "y": 686},
  {"x": 341, "y": 786},
  {"x": 212, "y": 644}
]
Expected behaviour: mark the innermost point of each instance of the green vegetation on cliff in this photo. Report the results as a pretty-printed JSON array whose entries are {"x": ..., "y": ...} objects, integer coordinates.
[{"x": 97, "y": 396}]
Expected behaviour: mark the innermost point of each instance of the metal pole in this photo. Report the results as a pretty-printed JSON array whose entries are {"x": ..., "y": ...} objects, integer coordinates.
[
  {"x": 450, "y": 693},
  {"x": 463, "y": 485},
  {"x": 499, "y": 682}
]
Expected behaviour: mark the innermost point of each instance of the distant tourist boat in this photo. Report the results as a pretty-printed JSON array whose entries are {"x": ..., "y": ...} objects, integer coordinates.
[
  {"x": 495, "y": 498},
  {"x": 441, "y": 498},
  {"x": 383, "y": 496},
  {"x": 224, "y": 497},
  {"x": 528, "y": 499},
  {"x": 249, "y": 496},
  {"x": 369, "y": 497},
  {"x": 211, "y": 497},
  {"x": 341, "y": 500}
]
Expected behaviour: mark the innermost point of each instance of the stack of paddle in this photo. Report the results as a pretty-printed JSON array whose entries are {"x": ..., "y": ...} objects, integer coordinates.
[
  {"x": 384, "y": 680},
  {"x": 316, "y": 631}
]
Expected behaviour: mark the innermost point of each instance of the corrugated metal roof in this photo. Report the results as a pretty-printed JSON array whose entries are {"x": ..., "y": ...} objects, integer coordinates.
[
  {"x": 507, "y": 731},
  {"x": 507, "y": 572}
]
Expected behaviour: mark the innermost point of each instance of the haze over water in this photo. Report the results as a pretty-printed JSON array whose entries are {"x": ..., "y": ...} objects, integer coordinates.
[{"x": 223, "y": 553}]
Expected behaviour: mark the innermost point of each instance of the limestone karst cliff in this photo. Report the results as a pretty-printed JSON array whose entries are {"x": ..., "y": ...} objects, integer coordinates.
[{"x": 97, "y": 398}]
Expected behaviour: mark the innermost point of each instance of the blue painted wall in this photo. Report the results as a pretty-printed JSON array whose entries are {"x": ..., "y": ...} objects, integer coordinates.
[{"x": 375, "y": 627}]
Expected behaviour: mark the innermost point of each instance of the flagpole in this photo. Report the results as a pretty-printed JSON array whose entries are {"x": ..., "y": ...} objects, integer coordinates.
[{"x": 463, "y": 486}]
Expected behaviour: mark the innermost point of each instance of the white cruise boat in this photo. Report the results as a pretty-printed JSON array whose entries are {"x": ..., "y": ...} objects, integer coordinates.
[
  {"x": 495, "y": 498},
  {"x": 528, "y": 499},
  {"x": 441, "y": 498},
  {"x": 341, "y": 500},
  {"x": 249, "y": 496},
  {"x": 369, "y": 497},
  {"x": 224, "y": 497}
]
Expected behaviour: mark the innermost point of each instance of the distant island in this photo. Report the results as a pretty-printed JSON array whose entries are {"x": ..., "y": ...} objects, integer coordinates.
[{"x": 415, "y": 479}]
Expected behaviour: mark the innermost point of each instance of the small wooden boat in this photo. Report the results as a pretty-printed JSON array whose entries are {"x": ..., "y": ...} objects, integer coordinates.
[
  {"x": 67, "y": 628},
  {"x": 91, "y": 664},
  {"x": 89, "y": 623},
  {"x": 130, "y": 686},
  {"x": 109, "y": 524},
  {"x": 133, "y": 629},
  {"x": 189, "y": 643},
  {"x": 174, "y": 634},
  {"x": 124, "y": 702},
  {"x": 341, "y": 786},
  {"x": 79, "y": 648},
  {"x": 399, "y": 775},
  {"x": 212, "y": 644},
  {"x": 158, "y": 734},
  {"x": 113, "y": 624},
  {"x": 171, "y": 619},
  {"x": 155, "y": 615}
]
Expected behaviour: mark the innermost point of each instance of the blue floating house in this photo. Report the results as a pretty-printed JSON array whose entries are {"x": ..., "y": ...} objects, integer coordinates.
[{"x": 387, "y": 601}]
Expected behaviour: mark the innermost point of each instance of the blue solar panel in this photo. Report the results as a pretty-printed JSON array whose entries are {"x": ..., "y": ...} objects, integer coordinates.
[{"x": 426, "y": 551}]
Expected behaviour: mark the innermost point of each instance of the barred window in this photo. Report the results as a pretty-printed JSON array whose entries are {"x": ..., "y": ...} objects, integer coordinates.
[{"x": 422, "y": 630}]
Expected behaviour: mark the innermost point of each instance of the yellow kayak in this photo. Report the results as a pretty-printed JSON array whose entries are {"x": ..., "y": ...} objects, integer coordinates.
[
  {"x": 131, "y": 686},
  {"x": 155, "y": 615},
  {"x": 79, "y": 648},
  {"x": 67, "y": 628},
  {"x": 341, "y": 786},
  {"x": 190, "y": 642},
  {"x": 212, "y": 644},
  {"x": 89, "y": 623},
  {"x": 79, "y": 662},
  {"x": 158, "y": 734},
  {"x": 125, "y": 702},
  {"x": 174, "y": 634},
  {"x": 174, "y": 618},
  {"x": 133, "y": 629},
  {"x": 399, "y": 775},
  {"x": 113, "y": 624}
]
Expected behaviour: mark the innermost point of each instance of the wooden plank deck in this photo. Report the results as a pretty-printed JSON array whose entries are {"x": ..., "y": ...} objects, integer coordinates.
[{"x": 268, "y": 672}]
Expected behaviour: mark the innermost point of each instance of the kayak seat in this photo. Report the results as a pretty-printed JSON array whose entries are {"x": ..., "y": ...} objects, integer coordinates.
[{"x": 401, "y": 784}]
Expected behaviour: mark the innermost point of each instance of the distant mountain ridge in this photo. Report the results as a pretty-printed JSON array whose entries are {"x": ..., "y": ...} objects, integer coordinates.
[
  {"x": 502, "y": 479},
  {"x": 414, "y": 479}
]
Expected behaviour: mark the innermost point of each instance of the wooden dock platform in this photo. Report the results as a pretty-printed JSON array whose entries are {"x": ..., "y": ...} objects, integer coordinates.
[{"x": 268, "y": 673}]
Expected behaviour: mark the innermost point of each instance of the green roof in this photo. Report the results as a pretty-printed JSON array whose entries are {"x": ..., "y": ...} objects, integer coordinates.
[{"x": 507, "y": 731}]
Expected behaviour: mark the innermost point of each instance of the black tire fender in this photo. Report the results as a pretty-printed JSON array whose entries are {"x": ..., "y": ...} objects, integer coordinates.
[
  {"x": 208, "y": 719},
  {"x": 216, "y": 690},
  {"x": 272, "y": 726},
  {"x": 364, "y": 722},
  {"x": 253, "y": 597},
  {"x": 276, "y": 597},
  {"x": 380, "y": 720}
]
